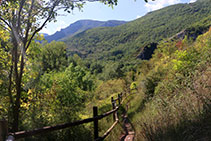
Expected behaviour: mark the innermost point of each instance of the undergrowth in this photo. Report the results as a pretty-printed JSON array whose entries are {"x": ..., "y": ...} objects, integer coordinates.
[{"x": 175, "y": 102}]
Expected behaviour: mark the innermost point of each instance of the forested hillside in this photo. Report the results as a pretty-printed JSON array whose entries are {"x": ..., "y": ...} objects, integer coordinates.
[{"x": 124, "y": 43}]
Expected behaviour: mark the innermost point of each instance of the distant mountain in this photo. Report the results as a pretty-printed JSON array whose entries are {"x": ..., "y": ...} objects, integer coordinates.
[
  {"x": 81, "y": 26},
  {"x": 45, "y": 34},
  {"x": 127, "y": 42}
]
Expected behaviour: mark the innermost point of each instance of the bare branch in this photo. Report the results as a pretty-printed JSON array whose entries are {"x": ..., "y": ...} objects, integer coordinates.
[
  {"x": 28, "y": 23},
  {"x": 6, "y": 22},
  {"x": 19, "y": 13},
  {"x": 19, "y": 40},
  {"x": 44, "y": 23},
  {"x": 5, "y": 27}
]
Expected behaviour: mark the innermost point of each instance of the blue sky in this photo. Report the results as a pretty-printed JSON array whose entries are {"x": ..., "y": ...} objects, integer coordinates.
[{"x": 127, "y": 10}]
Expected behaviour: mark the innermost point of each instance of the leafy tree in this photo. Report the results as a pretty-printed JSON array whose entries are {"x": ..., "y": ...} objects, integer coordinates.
[
  {"x": 96, "y": 68},
  {"x": 22, "y": 19},
  {"x": 53, "y": 56},
  {"x": 113, "y": 70},
  {"x": 4, "y": 68},
  {"x": 57, "y": 97}
]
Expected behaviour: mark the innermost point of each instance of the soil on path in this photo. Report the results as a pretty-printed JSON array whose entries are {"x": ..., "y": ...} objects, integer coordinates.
[{"x": 128, "y": 128}]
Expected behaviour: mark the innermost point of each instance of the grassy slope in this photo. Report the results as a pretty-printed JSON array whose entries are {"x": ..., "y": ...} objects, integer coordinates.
[
  {"x": 126, "y": 41},
  {"x": 176, "y": 85}
]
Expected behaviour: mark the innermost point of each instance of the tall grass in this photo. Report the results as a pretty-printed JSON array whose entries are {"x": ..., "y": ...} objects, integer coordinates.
[{"x": 178, "y": 107}]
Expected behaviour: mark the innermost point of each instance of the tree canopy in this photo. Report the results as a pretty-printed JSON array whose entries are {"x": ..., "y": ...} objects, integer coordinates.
[{"x": 22, "y": 20}]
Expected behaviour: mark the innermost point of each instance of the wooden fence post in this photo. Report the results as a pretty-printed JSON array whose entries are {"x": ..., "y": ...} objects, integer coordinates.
[
  {"x": 95, "y": 114},
  {"x": 3, "y": 130},
  {"x": 119, "y": 99},
  {"x": 114, "y": 106},
  {"x": 116, "y": 117}
]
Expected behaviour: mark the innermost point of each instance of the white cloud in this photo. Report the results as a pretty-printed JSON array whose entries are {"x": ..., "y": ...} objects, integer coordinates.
[
  {"x": 57, "y": 26},
  {"x": 192, "y": 1},
  {"x": 138, "y": 16},
  {"x": 158, "y": 4},
  {"x": 60, "y": 25},
  {"x": 45, "y": 30}
]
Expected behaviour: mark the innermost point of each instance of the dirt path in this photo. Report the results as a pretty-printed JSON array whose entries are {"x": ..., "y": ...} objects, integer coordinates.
[{"x": 128, "y": 128}]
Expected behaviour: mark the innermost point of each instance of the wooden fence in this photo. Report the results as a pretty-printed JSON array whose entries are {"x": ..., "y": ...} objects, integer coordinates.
[{"x": 22, "y": 134}]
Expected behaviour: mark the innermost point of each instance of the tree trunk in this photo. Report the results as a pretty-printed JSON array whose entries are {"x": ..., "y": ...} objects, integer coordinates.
[
  {"x": 18, "y": 97},
  {"x": 18, "y": 69},
  {"x": 15, "y": 119}
]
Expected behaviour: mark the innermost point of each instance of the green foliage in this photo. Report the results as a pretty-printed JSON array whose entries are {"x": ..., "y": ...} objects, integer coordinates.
[
  {"x": 53, "y": 91},
  {"x": 96, "y": 68},
  {"x": 106, "y": 89},
  {"x": 23, "y": 19},
  {"x": 69, "y": 86},
  {"x": 123, "y": 43},
  {"x": 57, "y": 98},
  {"x": 151, "y": 82},
  {"x": 112, "y": 71},
  {"x": 4, "y": 68},
  {"x": 53, "y": 56},
  {"x": 178, "y": 83},
  {"x": 56, "y": 89}
]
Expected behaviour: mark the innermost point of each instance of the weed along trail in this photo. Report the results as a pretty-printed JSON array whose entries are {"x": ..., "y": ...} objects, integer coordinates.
[{"x": 129, "y": 131}]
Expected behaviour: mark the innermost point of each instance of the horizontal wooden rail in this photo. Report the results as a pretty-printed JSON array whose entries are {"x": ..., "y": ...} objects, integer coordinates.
[
  {"x": 108, "y": 131},
  {"x": 23, "y": 134},
  {"x": 107, "y": 113},
  {"x": 95, "y": 118}
]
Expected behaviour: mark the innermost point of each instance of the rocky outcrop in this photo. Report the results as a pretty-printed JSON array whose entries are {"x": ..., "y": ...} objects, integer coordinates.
[
  {"x": 191, "y": 32},
  {"x": 147, "y": 51}
]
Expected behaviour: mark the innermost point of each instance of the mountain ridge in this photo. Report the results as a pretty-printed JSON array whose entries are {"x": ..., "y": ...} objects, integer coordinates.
[
  {"x": 80, "y": 26},
  {"x": 124, "y": 42}
]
